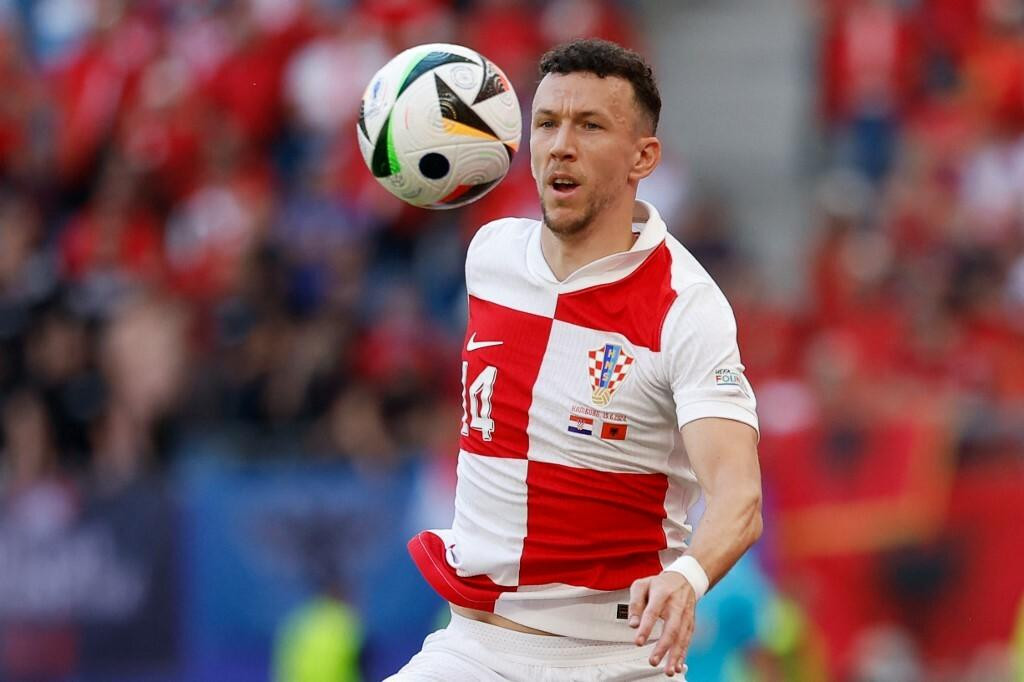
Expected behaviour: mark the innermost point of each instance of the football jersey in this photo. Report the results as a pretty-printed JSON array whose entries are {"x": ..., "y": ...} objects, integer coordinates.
[{"x": 572, "y": 478}]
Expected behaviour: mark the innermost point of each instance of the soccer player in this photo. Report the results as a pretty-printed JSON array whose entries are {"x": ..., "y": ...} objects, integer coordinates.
[{"x": 602, "y": 392}]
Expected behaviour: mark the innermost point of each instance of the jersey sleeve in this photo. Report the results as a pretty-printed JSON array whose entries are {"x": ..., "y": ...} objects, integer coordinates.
[
  {"x": 702, "y": 359},
  {"x": 483, "y": 235}
]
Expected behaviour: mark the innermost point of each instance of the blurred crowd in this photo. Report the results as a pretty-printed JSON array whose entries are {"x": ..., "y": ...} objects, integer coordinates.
[
  {"x": 188, "y": 232},
  {"x": 892, "y": 403},
  {"x": 191, "y": 248}
]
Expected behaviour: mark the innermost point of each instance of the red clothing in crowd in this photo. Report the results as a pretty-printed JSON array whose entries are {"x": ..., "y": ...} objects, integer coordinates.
[
  {"x": 131, "y": 244},
  {"x": 870, "y": 55}
]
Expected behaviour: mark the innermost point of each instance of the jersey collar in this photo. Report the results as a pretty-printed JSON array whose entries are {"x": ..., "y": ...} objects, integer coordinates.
[{"x": 610, "y": 268}]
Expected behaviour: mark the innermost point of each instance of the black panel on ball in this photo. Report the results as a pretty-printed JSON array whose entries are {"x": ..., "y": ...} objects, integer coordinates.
[
  {"x": 362, "y": 119},
  {"x": 429, "y": 63},
  {"x": 381, "y": 161},
  {"x": 491, "y": 85},
  {"x": 454, "y": 109},
  {"x": 434, "y": 166}
]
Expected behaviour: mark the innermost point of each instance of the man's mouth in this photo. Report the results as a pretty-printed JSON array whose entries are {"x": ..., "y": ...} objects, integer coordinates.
[{"x": 563, "y": 185}]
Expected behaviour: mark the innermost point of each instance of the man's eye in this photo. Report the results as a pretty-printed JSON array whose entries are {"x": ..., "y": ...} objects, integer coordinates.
[
  {"x": 546, "y": 124},
  {"x": 590, "y": 125}
]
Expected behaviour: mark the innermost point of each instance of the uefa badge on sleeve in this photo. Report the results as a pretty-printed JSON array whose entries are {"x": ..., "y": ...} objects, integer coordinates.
[{"x": 728, "y": 377}]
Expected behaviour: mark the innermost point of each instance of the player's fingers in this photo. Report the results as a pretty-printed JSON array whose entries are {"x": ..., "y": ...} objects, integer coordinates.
[
  {"x": 685, "y": 636},
  {"x": 687, "y": 630},
  {"x": 637, "y": 600},
  {"x": 655, "y": 604},
  {"x": 674, "y": 661},
  {"x": 669, "y": 636}
]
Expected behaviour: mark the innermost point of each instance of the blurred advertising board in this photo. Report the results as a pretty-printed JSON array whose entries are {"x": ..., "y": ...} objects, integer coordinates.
[
  {"x": 264, "y": 538},
  {"x": 88, "y": 580}
]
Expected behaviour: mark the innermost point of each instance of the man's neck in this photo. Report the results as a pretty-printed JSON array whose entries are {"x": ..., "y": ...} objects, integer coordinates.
[{"x": 610, "y": 233}]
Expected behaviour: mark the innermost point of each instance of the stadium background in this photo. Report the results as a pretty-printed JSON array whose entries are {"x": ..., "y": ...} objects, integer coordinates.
[{"x": 229, "y": 364}]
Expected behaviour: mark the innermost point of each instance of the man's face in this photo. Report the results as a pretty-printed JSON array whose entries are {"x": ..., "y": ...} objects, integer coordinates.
[{"x": 585, "y": 139}]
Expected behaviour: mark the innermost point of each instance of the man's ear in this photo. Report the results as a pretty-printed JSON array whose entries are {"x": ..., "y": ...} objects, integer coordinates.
[{"x": 648, "y": 157}]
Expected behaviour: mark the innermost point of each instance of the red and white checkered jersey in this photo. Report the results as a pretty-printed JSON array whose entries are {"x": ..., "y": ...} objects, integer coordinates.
[{"x": 572, "y": 478}]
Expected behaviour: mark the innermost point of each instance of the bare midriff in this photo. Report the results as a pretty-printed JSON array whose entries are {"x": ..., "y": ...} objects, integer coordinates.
[{"x": 500, "y": 621}]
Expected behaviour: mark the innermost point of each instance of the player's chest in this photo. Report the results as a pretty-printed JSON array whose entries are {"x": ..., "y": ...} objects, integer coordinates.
[{"x": 533, "y": 385}]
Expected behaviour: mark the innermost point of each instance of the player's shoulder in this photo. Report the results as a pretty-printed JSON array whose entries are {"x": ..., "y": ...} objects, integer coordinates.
[
  {"x": 686, "y": 271},
  {"x": 496, "y": 265},
  {"x": 499, "y": 241},
  {"x": 502, "y": 233},
  {"x": 699, "y": 301}
]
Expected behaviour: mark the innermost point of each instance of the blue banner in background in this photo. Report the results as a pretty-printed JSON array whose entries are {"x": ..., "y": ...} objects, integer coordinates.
[
  {"x": 263, "y": 539},
  {"x": 88, "y": 581}
]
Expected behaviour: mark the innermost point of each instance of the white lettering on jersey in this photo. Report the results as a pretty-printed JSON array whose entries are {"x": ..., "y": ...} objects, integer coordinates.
[{"x": 479, "y": 399}]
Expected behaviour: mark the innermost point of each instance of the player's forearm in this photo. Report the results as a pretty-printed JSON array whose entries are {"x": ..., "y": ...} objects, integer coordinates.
[{"x": 730, "y": 525}]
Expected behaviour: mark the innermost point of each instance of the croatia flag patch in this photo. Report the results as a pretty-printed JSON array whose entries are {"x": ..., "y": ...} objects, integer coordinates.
[{"x": 580, "y": 424}]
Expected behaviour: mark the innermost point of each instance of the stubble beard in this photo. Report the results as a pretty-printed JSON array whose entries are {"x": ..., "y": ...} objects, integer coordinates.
[{"x": 569, "y": 228}]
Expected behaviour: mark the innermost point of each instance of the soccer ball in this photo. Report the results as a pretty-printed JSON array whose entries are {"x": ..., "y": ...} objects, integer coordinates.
[{"x": 438, "y": 125}]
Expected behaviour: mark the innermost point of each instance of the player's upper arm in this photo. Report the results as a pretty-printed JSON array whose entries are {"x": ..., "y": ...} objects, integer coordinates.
[
  {"x": 702, "y": 359},
  {"x": 723, "y": 455}
]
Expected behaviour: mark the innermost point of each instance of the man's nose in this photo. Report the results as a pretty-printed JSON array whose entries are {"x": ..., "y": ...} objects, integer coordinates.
[{"x": 563, "y": 147}]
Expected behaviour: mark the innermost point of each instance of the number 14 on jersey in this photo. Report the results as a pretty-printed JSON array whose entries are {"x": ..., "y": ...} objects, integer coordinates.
[{"x": 476, "y": 402}]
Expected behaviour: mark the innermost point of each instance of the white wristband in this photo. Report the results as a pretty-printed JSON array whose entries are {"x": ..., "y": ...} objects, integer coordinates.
[{"x": 694, "y": 573}]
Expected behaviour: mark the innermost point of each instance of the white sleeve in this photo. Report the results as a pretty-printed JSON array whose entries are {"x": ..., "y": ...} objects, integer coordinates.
[
  {"x": 484, "y": 234},
  {"x": 702, "y": 359}
]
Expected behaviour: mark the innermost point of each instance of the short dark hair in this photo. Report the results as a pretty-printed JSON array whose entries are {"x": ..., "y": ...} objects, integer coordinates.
[{"x": 603, "y": 58}]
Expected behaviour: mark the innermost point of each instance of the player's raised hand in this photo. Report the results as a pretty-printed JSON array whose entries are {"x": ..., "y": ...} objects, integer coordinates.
[{"x": 670, "y": 597}]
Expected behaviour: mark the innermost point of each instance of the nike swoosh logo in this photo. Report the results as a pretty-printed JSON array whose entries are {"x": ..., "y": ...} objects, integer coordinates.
[{"x": 473, "y": 344}]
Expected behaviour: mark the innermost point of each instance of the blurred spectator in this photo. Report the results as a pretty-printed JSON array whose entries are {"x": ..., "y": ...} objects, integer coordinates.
[
  {"x": 27, "y": 272},
  {"x": 57, "y": 360},
  {"x": 887, "y": 654},
  {"x": 36, "y": 496},
  {"x": 38, "y": 504},
  {"x": 211, "y": 232},
  {"x": 322, "y": 103},
  {"x": 113, "y": 244},
  {"x": 143, "y": 356},
  {"x": 319, "y": 643},
  {"x": 91, "y": 83},
  {"x": 869, "y": 77}
]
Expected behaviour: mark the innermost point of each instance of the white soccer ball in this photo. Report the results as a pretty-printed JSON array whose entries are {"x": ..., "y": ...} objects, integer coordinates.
[{"x": 438, "y": 125}]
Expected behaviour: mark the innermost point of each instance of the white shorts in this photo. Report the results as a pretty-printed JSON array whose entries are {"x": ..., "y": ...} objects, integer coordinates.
[{"x": 470, "y": 651}]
